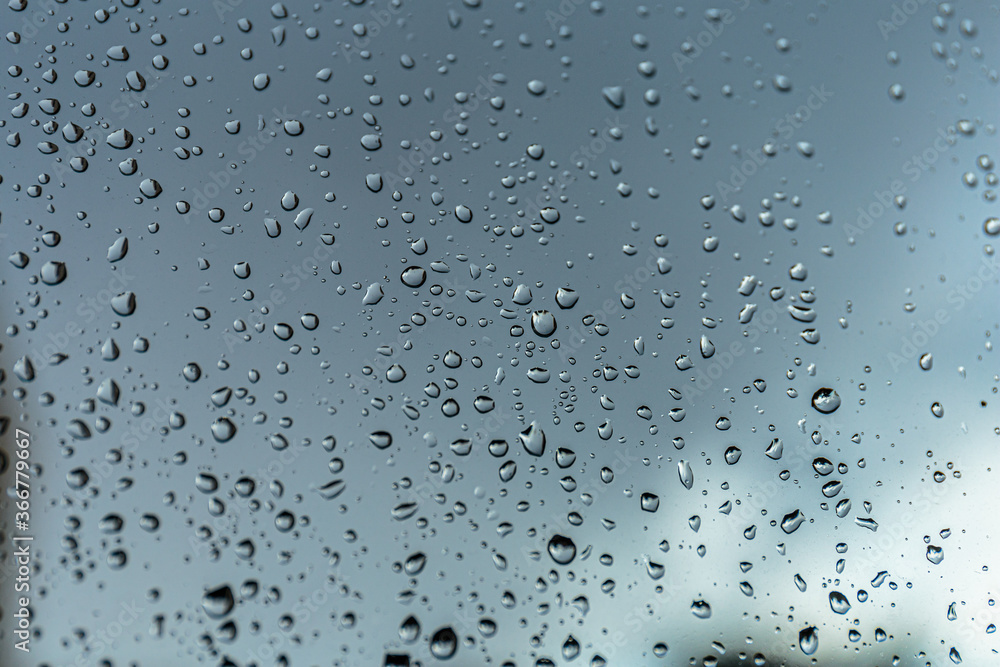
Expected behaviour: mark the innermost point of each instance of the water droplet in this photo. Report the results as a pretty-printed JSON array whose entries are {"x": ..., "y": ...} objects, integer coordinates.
[
  {"x": 565, "y": 457},
  {"x": 450, "y": 407},
  {"x": 543, "y": 323},
  {"x": 282, "y": 330},
  {"x": 707, "y": 347},
  {"x": 118, "y": 250},
  {"x": 533, "y": 439},
  {"x": 536, "y": 87},
  {"x": 826, "y": 400},
  {"x": 808, "y": 640},
  {"x": 404, "y": 511},
  {"x": 381, "y": 439},
  {"x": 570, "y": 648},
  {"x": 218, "y": 602},
  {"x": 409, "y": 630},
  {"x": 413, "y": 276},
  {"x": 78, "y": 429},
  {"x": 522, "y": 295},
  {"x": 701, "y": 609},
  {"x": 415, "y": 563},
  {"x": 373, "y": 295},
  {"x": 444, "y": 643},
  {"x": 150, "y": 188},
  {"x": 332, "y": 489},
  {"x": 53, "y": 273},
  {"x": 685, "y": 474},
  {"x": 223, "y": 429},
  {"x": 562, "y": 549},
  {"x": 24, "y": 369},
  {"x": 774, "y": 449},
  {"x": 831, "y": 489},
  {"x": 124, "y": 304},
  {"x": 650, "y": 502},
  {"x": 507, "y": 471},
  {"x": 241, "y": 270},
  {"x": 566, "y": 298},
  {"x": 120, "y": 139},
  {"x": 791, "y": 521},
  {"x": 303, "y": 218},
  {"x": 839, "y": 603},
  {"x": 614, "y": 95}
]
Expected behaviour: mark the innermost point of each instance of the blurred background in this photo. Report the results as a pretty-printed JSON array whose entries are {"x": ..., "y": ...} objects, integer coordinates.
[{"x": 521, "y": 333}]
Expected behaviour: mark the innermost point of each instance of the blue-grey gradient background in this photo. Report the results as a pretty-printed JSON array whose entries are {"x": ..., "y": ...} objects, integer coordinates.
[{"x": 641, "y": 112}]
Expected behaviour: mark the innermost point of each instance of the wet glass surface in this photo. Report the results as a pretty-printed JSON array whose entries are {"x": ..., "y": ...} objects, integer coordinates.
[{"x": 528, "y": 333}]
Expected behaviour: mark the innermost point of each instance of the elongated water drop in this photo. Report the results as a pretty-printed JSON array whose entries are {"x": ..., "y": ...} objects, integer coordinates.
[{"x": 685, "y": 474}]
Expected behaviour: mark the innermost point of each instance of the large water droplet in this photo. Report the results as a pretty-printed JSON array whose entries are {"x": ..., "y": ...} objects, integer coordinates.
[
  {"x": 53, "y": 273},
  {"x": 566, "y": 298},
  {"x": 413, "y": 276},
  {"x": 223, "y": 429},
  {"x": 543, "y": 323},
  {"x": 826, "y": 400},
  {"x": 808, "y": 640},
  {"x": 444, "y": 643},
  {"x": 373, "y": 295},
  {"x": 507, "y": 471},
  {"x": 124, "y": 303},
  {"x": 415, "y": 563},
  {"x": 409, "y": 630},
  {"x": 562, "y": 549},
  {"x": 570, "y": 648},
  {"x": 701, "y": 609},
  {"x": 685, "y": 474},
  {"x": 791, "y": 521},
  {"x": 650, "y": 502},
  {"x": 218, "y": 602},
  {"x": 120, "y": 139},
  {"x": 839, "y": 603},
  {"x": 533, "y": 439}
]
